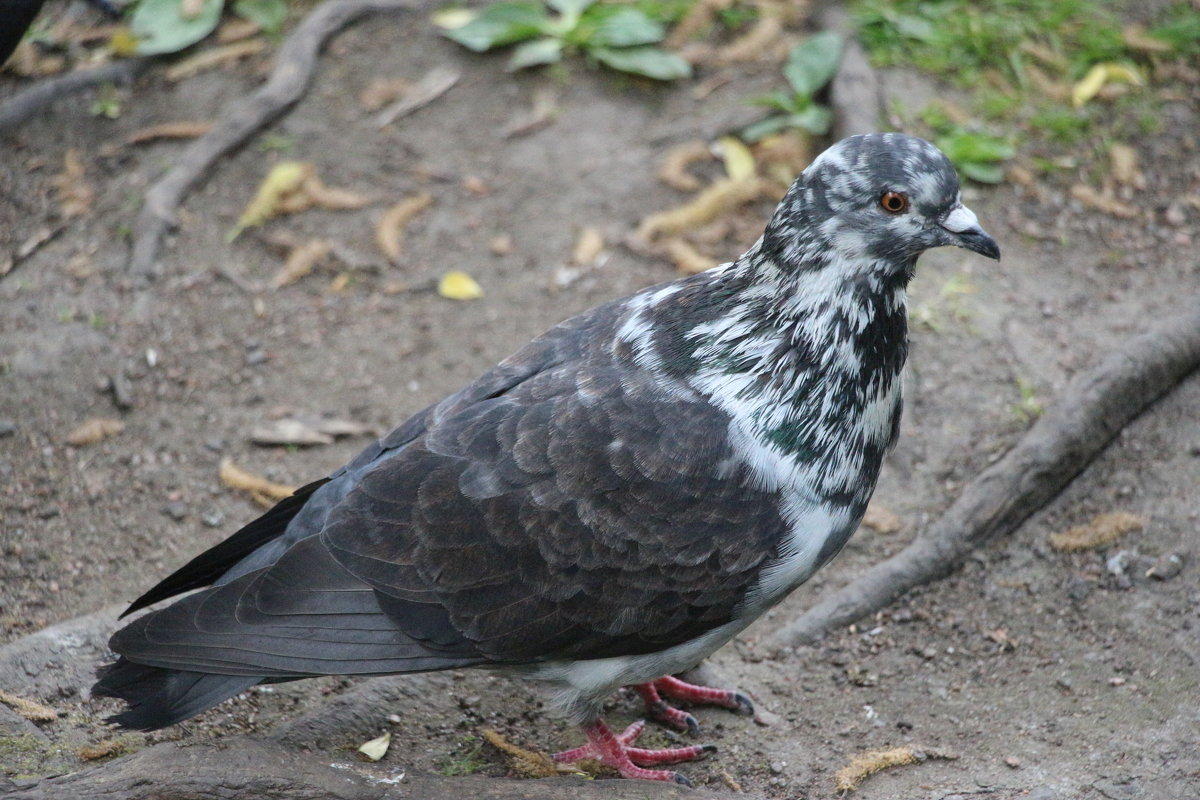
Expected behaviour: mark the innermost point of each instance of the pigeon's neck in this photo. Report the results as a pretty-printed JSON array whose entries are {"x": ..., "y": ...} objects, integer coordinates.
[{"x": 806, "y": 362}]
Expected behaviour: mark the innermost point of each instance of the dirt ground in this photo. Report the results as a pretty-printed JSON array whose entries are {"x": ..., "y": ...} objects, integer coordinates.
[{"x": 1048, "y": 676}]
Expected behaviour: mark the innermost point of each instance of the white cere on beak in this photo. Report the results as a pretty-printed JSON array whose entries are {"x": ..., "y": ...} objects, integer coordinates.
[{"x": 960, "y": 219}]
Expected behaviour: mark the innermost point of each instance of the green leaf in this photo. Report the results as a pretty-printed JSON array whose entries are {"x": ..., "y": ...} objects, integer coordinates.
[
  {"x": 781, "y": 101},
  {"x": 500, "y": 24},
  {"x": 535, "y": 53},
  {"x": 763, "y": 128},
  {"x": 570, "y": 8},
  {"x": 984, "y": 173},
  {"x": 648, "y": 61},
  {"x": 813, "y": 63},
  {"x": 618, "y": 26},
  {"x": 267, "y": 14},
  {"x": 963, "y": 147},
  {"x": 160, "y": 27},
  {"x": 814, "y": 119}
]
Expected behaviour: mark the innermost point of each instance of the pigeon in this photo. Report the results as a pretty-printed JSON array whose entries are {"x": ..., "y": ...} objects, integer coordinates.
[{"x": 607, "y": 506}]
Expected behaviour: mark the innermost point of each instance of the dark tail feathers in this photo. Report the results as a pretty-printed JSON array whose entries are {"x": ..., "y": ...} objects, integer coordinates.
[{"x": 160, "y": 697}]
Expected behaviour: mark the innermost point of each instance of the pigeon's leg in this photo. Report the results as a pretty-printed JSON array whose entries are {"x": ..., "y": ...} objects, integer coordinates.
[
  {"x": 615, "y": 751},
  {"x": 658, "y": 708}
]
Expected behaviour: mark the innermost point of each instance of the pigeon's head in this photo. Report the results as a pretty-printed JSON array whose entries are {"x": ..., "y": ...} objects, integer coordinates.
[{"x": 882, "y": 198}]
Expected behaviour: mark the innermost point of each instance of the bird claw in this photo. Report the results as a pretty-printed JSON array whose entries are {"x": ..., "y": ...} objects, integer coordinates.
[
  {"x": 744, "y": 704},
  {"x": 632, "y": 762}
]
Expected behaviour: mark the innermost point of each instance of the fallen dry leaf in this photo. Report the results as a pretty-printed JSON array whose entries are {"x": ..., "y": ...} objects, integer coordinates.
[
  {"x": 674, "y": 167},
  {"x": 29, "y": 709},
  {"x": 389, "y": 231},
  {"x": 458, "y": 285},
  {"x": 1124, "y": 162},
  {"x": 169, "y": 130},
  {"x": 541, "y": 113},
  {"x": 301, "y": 261},
  {"x": 723, "y": 195},
  {"x": 75, "y": 194},
  {"x": 1136, "y": 38},
  {"x": 1102, "y": 201},
  {"x": 376, "y": 748},
  {"x": 1000, "y": 636},
  {"x": 1098, "y": 76},
  {"x": 430, "y": 87},
  {"x": 755, "y": 44},
  {"x": 235, "y": 477},
  {"x": 94, "y": 430},
  {"x": 698, "y": 18},
  {"x": 785, "y": 154},
  {"x": 502, "y": 244},
  {"x": 864, "y": 765},
  {"x": 382, "y": 91},
  {"x": 333, "y": 199},
  {"x": 105, "y": 749},
  {"x": 530, "y": 763},
  {"x": 1102, "y": 531},
  {"x": 214, "y": 57},
  {"x": 881, "y": 519},
  {"x": 307, "y": 431},
  {"x": 29, "y": 61},
  {"x": 739, "y": 161},
  {"x": 285, "y": 179},
  {"x": 588, "y": 247},
  {"x": 235, "y": 30}
]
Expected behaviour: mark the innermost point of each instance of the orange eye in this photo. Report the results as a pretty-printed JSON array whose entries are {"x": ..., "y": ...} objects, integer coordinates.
[{"x": 893, "y": 202}]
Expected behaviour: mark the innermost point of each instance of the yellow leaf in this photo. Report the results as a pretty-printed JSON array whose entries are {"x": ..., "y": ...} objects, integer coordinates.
[
  {"x": 235, "y": 477},
  {"x": 95, "y": 430},
  {"x": 376, "y": 748},
  {"x": 451, "y": 18},
  {"x": 123, "y": 43},
  {"x": 1099, "y": 75},
  {"x": 458, "y": 285},
  {"x": 739, "y": 161},
  {"x": 1087, "y": 88},
  {"x": 284, "y": 179},
  {"x": 389, "y": 231}
]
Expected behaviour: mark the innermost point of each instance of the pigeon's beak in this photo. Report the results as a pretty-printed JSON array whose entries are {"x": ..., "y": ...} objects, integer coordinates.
[{"x": 965, "y": 232}]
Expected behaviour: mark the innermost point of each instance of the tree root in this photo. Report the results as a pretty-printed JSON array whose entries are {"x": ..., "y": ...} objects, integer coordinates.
[
  {"x": 1092, "y": 410},
  {"x": 238, "y": 767},
  {"x": 854, "y": 91},
  {"x": 290, "y": 79},
  {"x": 20, "y": 108}
]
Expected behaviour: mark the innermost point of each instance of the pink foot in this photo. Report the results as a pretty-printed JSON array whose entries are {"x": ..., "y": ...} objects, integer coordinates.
[
  {"x": 615, "y": 751},
  {"x": 659, "y": 709}
]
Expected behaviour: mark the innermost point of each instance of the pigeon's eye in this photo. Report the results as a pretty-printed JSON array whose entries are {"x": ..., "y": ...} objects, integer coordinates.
[{"x": 894, "y": 202}]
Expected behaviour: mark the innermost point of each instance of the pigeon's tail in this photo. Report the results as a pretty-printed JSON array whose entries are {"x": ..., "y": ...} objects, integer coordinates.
[{"x": 159, "y": 697}]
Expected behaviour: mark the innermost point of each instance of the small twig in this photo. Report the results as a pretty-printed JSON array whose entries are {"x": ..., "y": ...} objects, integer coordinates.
[
  {"x": 1092, "y": 410},
  {"x": 25, "y": 105},
  {"x": 290, "y": 79}
]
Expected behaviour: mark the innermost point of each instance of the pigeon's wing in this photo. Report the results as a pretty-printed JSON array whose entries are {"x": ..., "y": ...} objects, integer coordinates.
[{"x": 586, "y": 512}]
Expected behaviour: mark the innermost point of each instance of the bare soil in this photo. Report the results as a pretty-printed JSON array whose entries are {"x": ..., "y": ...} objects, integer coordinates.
[{"x": 1045, "y": 673}]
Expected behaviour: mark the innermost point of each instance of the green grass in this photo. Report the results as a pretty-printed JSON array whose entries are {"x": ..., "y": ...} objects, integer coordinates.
[
  {"x": 966, "y": 42},
  {"x": 1013, "y": 55},
  {"x": 467, "y": 758}
]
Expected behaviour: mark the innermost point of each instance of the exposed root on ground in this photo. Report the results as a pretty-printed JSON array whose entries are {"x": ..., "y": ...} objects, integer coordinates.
[
  {"x": 18, "y": 109},
  {"x": 289, "y": 81}
]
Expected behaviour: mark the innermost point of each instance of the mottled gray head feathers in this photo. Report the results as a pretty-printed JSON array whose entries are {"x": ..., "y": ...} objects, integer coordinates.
[{"x": 877, "y": 201}]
